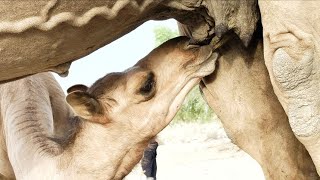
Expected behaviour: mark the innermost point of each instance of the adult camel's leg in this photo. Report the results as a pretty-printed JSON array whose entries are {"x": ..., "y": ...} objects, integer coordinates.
[
  {"x": 292, "y": 56},
  {"x": 241, "y": 94}
]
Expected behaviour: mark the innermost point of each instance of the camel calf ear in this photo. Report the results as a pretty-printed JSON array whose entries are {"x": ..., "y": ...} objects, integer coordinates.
[
  {"x": 84, "y": 105},
  {"x": 77, "y": 87}
]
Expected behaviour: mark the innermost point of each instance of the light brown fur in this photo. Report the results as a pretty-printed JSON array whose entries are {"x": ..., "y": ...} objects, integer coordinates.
[
  {"x": 63, "y": 31},
  {"x": 32, "y": 109},
  {"x": 117, "y": 116},
  {"x": 292, "y": 57},
  {"x": 241, "y": 94}
]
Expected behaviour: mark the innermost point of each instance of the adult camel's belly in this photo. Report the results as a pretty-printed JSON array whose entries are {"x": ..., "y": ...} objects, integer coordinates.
[
  {"x": 37, "y": 36},
  {"x": 241, "y": 95}
]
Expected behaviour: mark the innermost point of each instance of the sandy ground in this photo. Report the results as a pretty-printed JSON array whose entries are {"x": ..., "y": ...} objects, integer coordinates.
[{"x": 200, "y": 152}]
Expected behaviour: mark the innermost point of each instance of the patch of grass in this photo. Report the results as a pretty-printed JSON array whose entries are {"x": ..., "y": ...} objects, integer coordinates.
[{"x": 194, "y": 109}]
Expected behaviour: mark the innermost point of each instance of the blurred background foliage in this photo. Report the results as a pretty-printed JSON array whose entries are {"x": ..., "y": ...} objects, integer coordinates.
[
  {"x": 163, "y": 34},
  {"x": 194, "y": 107}
]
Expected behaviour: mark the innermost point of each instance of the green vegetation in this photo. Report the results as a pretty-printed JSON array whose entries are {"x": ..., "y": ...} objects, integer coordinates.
[
  {"x": 194, "y": 107},
  {"x": 162, "y": 34}
]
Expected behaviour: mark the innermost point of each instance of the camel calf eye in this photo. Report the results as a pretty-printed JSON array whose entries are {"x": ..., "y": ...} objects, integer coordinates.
[{"x": 148, "y": 85}]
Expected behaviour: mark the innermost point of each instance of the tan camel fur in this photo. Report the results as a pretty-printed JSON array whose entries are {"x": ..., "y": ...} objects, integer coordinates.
[
  {"x": 117, "y": 116},
  {"x": 241, "y": 94},
  {"x": 253, "y": 117}
]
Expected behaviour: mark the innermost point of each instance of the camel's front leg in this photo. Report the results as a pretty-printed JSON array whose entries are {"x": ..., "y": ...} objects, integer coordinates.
[
  {"x": 293, "y": 64},
  {"x": 294, "y": 70}
]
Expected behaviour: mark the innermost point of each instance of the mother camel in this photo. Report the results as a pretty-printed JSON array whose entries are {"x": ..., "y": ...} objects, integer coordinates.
[{"x": 37, "y": 36}]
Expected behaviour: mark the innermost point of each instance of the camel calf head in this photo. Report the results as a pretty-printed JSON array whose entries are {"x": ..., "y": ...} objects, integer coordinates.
[
  {"x": 135, "y": 105},
  {"x": 145, "y": 97}
]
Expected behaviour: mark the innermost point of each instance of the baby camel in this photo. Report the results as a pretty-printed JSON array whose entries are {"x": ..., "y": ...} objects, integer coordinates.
[{"x": 116, "y": 116}]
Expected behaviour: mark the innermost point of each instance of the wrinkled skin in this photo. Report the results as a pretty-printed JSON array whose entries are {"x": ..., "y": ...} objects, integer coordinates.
[
  {"x": 292, "y": 56},
  {"x": 116, "y": 117},
  {"x": 241, "y": 95}
]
